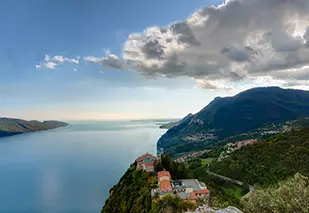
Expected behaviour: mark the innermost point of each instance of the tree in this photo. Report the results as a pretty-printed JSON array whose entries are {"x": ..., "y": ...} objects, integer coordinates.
[
  {"x": 176, "y": 169},
  {"x": 131, "y": 194},
  {"x": 268, "y": 161},
  {"x": 171, "y": 204},
  {"x": 195, "y": 163},
  {"x": 290, "y": 196}
]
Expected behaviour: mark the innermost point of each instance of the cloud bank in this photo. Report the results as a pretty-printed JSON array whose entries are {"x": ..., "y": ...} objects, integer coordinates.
[{"x": 237, "y": 41}]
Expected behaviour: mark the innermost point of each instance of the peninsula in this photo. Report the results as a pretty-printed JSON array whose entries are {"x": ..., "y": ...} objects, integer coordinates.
[{"x": 13, "y": 126}]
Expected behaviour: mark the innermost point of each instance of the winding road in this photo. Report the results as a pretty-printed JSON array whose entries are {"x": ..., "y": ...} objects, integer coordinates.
[{"x": 240, "y": 183}]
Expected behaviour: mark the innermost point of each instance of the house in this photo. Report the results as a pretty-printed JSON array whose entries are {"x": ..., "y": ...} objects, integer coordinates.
[
  {"x": 190, "y": 189},
  {"x": 187, "y": 189},
  {"x": 164, "y": 179},
  {"x": 146, "y": 162}
]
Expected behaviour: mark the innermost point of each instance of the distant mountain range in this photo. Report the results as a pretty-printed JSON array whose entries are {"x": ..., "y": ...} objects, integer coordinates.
[
  {"x": 12, "y": 126},
  {"x": 225, "y": 117}
]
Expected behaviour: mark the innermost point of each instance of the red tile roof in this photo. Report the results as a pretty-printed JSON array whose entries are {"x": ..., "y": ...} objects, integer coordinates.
[
  {"x": 192, "y": 196},
  {"x": 165, "y": 186},
  {"x": 144, "y": 156},
  {"x": 204, "y": 191},
  {"x": 164, "y": 173}
]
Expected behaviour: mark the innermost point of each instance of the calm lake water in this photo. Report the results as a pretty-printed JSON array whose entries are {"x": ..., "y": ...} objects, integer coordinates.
[{"x": 71, "y": 169}]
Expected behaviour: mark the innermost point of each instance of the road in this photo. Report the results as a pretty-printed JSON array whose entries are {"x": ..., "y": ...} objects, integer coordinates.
[{"x": 240, "y": 183}]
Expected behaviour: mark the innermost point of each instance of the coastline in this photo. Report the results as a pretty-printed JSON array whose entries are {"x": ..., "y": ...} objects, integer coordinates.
[{"x": 12, "y": 126}]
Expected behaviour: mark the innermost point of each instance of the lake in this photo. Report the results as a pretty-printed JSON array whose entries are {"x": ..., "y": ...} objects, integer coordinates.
[{"x": 70, "y": 169}]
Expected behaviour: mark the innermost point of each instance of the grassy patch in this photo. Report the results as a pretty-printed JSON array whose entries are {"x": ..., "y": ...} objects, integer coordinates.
[
  {"x": 206, "y": 161},
  {"x": 234, "y": 191}
]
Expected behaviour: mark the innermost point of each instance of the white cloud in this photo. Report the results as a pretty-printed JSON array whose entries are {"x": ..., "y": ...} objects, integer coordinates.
[
  {"x": 72, "y": 60},
  {"x": 61, "y": 59},
  {"x": 58, "y": 58},
  {"x": 52, "y": 62},
  {"x": 235, "y": 41},
  {"x": 92, "y": 59},
  {"x": 47, "y": 64},
  {"x": 213, "y": 85},
  {"x": 109, "y": 60},
  {"x": 50, "y": 65}
]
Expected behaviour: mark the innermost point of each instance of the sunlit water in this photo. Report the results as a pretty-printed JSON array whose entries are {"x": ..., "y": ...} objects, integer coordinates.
[{"x": 71, "y": 169}]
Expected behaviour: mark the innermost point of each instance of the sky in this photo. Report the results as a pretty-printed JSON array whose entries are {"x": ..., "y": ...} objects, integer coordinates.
[{"x": 105, "y": 60}]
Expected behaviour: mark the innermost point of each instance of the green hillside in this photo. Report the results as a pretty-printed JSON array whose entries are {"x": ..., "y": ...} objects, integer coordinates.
[
  {"x": 268, "y": 161},
  {"x": 131, "y": 194}
]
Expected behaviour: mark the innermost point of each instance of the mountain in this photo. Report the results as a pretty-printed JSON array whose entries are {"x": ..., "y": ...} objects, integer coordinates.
[
  {"x": 225, "y": 117},
  {"x": 175, "y": 123},
  {"x": 12, "y": 126}
]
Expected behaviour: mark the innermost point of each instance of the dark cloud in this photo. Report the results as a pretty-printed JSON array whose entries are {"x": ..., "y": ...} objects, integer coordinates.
[
  {"x": 153, "y": 49},
  {"x": 306, "y": 37},
  {"x": 184, "y": 34},
  {"x": 237, "y": 54},
  {"x": 109, "y": 60},
  {"x": 282, "y": 41},
  {"x": 294, "y": 74}
]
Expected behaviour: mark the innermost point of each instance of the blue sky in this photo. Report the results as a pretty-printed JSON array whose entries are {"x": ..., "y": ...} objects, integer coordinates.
[
  {"x": 74, "y": 29},
  {"x": 31, "y": 29}
]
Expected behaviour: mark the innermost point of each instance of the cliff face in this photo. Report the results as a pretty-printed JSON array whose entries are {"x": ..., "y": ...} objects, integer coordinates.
[
  {"x": 225, "y": 117},
  {"x": 12, "y": 126}
]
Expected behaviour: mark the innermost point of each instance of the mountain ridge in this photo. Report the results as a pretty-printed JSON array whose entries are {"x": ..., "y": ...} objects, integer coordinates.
[{"x": 224, "y": 117}]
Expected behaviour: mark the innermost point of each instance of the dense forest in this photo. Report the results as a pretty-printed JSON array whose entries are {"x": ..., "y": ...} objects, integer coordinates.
[
  {"x": 131, "y": 194},
  {"x": 289, "y": 196},
  {"x": 177, "y": 170},
  {"x": 268, "y": 161}
]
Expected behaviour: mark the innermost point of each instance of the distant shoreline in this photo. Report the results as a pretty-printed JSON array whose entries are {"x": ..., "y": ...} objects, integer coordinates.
[
  {"x": 13, "y": 126},
  {"x": 156, "y": 120}
]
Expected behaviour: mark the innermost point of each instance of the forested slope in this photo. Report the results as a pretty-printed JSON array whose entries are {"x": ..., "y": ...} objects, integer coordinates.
[{"x": 268, "y": 161}]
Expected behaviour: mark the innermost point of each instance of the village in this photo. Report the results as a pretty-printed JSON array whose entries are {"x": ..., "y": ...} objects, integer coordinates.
[{"x": 187, "y": 189}]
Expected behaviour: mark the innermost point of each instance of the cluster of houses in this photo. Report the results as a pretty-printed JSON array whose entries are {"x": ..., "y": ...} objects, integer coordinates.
[
  {"x": 199, "y": 137},
  {"x": 240, "y": 144},
  {"x": 186, "y": 189},
  {"x": 189, "y": 156},
  {"x": 231, "y": 147}
]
